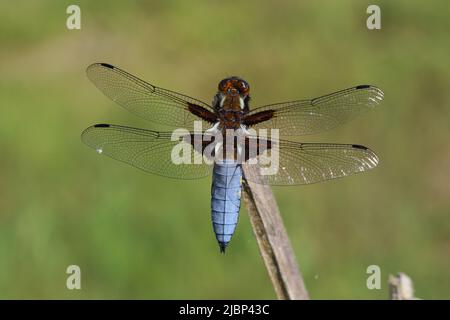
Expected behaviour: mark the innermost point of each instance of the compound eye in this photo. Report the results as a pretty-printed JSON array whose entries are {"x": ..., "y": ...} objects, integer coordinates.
[
  {"x": 243, "y": 86},
  {"x": 223, "y": 85}
]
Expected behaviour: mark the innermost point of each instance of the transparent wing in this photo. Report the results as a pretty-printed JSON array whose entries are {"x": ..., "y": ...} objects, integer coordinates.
[
  {"x": 144, "y": 149},
  {"x": 305, "y": 163},
  {"x": 148, "y": 101},
  {"x": 305, "y": 117}
]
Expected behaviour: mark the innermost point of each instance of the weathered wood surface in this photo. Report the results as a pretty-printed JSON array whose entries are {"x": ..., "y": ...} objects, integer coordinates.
[
  {"x": 401, "y": 287},
  {"x": 272, "y": 238}
]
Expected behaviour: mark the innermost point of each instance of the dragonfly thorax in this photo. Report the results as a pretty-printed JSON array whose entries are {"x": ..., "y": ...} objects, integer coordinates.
[{"x": 231, "y": 119}]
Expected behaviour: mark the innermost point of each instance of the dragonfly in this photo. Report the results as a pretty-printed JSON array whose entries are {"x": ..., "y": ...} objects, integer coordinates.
[{"x": 298, "y": 163}]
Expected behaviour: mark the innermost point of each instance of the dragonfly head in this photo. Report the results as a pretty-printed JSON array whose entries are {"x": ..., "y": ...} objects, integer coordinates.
[
  {"x": 234, "y": 86},
  {"x": 233, "y": 94}
]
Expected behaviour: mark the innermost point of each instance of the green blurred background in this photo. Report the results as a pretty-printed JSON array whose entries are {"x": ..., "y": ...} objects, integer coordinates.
[{"x": 136, "y": 235}]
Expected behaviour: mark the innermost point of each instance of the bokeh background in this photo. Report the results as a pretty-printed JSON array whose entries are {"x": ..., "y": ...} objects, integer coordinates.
[{"x": 136, "y": 235}]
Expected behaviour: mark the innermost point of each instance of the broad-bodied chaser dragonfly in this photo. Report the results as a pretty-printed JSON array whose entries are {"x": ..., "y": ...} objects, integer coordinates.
[{"x": 297, "y": 163}]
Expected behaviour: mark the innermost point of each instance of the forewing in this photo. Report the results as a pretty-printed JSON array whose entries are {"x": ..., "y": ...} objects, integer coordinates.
[
  {"x": 148, "y": 101},
  {"x": 306, "y": 117},
  {"x": 147, "y": 150}
]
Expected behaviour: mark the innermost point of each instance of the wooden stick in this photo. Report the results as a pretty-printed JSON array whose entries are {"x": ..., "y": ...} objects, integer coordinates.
[
  {"x": 401, "y": 287},
  {"x": 273, "y": 241}
]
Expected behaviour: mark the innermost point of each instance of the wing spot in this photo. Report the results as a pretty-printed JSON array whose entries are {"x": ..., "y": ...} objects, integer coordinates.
[{"x": 107, "y": 65}]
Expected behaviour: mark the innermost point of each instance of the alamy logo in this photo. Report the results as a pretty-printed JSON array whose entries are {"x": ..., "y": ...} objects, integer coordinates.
[
  {"x": 74, "y": 280},
  {"x": 240, "y": 145},
  {"x": 374, "y": 20},
  {"x": 374, "y": 280},
  {"x": 74, "y": 20}
]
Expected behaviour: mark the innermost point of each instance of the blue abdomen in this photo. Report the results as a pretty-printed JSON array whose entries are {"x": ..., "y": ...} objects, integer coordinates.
[{"x": 225, "y": 200}]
